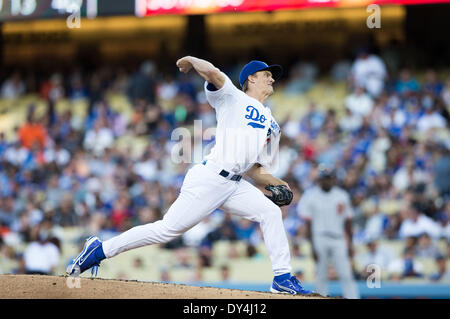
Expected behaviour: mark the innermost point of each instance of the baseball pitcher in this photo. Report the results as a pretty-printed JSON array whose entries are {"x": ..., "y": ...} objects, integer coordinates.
[{"x": 247, "y": 138}]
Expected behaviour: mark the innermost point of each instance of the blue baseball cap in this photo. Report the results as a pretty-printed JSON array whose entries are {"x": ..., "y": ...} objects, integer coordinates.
[{"x": 256, "y": 66}]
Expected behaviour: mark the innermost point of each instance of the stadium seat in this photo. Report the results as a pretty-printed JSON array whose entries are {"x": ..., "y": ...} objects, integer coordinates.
[
  {"x": 429, "y": 265},
  {"x": 397, "y": 246}
]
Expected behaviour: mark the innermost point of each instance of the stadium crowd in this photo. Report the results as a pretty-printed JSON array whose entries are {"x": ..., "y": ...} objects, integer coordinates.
[{"x": 390, "y": 148}]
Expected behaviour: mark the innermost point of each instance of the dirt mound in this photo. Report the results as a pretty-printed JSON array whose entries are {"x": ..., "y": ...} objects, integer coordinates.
[{"x": 54, "y": 287}]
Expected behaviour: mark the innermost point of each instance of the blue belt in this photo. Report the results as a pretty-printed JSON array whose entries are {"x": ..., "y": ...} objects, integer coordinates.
[{"x": 227, "y": 174}]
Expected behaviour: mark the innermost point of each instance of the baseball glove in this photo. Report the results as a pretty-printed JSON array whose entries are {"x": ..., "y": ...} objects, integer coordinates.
[{"x": 281, "y": 194}]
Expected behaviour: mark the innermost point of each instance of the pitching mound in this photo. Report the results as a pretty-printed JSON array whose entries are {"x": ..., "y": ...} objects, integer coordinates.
[{"x": 53, "y": 287}]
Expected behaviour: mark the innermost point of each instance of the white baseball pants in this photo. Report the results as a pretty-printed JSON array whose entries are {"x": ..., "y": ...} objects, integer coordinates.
[
  {"x": 203, "y": 191},
  {"x": 335, "y": 249}
]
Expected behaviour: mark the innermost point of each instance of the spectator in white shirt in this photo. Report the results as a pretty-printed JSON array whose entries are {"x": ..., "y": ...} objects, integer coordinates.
[
  {"x": 168, "y": 89},
  {"x": 375, "y": 222},
  {"x": 42, "y": 256},
  {"x": 359, "y": 103},
  {"x": 394, "y": 118},
  {"x": 369, "y": 71},
  {"x": 417, "y": 224},
  {"x": 99, "y": 138},
  {"x": 350, "y": 122},
  {"x": 409, "y": 175},
  {"x": 380, "y": 256},
  {"x": 377, "y": 151},
  {"x": 57, "y": 154},
  {"x": 431, "y": 120},
  {"x": 16, "y": 155},
  {"x": 444, "y": 220},
  {"x": 405, "y": 267}
]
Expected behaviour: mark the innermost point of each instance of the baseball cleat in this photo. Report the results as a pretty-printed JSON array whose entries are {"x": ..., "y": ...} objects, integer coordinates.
[
  {"x": 287, "y": 284},
  {"x": 299, "y": 286},
  {"x": 90, "y": 257}
]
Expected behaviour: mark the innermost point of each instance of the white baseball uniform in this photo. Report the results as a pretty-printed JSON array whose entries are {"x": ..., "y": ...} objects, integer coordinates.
[
  {"x": 246, "y": 134},
  {"x": 327, "y": 212}
]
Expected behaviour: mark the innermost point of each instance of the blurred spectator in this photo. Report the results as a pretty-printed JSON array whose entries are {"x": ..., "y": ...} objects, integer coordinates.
[
  {"x": 441, "y": 170},
  {"x": 409, "y": 175},
  {"x": 32, "y": 132},
  {"x": 225, "y": 231},
  {"x": 53, "y": 88},
  {"x": 225, "y": 273},
  {"x": 57, "y": 154},
  {"x": 301, "y": 79},
  {"x": 406, "y": 84},
  {"x": 442, "y": 274},
  {"x": 42, "y": 255},
  {"x": 359, "y": 103},
  {"x": 77, "y": 89},
  {"x": 350, "y": 122},
  {"x": 252, "y": 252},
  {"x": 99, "y": 138},
  {"x": 444, "y": 219},
  {"x": 368, "y": 71},
  {"x": 426, "y": 248},
  {"x": 376, "y": 223},
  {"x": 186, "y": 86},
  {"x": 297, "y": 251},
  {"x": 205, "y": 255},
  {"x": 13, "y": 87},
  {"x": 417, "y": 223},
  {"x": 340, "y": 70},
  {"x": 432, "y": 83},
  {"x": 245, "y": 229},
  {"x": 442, "y": 110},
  {"x": 147, "y": 215},
  {"x": 138, "y": 263},
  {"x": 168, "y": 89},
  {"x": 164, "y": 275},
  {"x": 96, "y": 91},
  {"x": 195, "y": 235},
  {"x": 111, "y": 169},
  {"x": 120, "y": 213},
  {"x": 391, "y": 54},
  {"x": 406, "y": 267},
  {"x": 312, "y": 121},
  {"x": 381, "y": 256},
  {"x": 141, "y": 85},
  {"x": 431, "y": 119},
  {"x": 377, "y": 152},
  {"x": 447, "y": 251},
  {"x": 446, "y": 92},
  {"x": 65, "y": 214}
]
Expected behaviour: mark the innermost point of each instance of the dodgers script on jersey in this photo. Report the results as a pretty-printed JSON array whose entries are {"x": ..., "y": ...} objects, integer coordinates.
[{"x": 246, "y": 131}]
